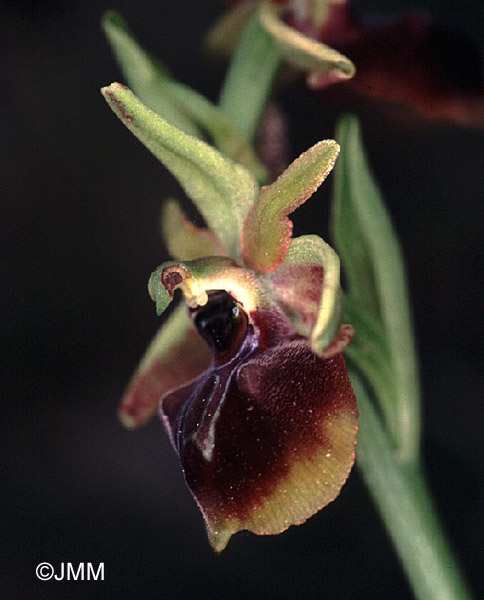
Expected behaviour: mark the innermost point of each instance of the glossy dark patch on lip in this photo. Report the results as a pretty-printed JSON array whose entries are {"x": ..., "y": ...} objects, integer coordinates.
[{"x": 222, "y": 324}]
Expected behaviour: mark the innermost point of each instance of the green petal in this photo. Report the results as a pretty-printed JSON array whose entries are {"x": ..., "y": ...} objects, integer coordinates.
[
  {"x": 183, "y": 239},
  {"x": 320, "y": 60},
  {"x": 375, "y": 273},
  {"x": 177, "y": 103},
  {"x": 219, "y": 187},
  {"x": 267, "y": 230},
  {"x": 307, "y": 286},
  {"x": 176, "y": 355}
]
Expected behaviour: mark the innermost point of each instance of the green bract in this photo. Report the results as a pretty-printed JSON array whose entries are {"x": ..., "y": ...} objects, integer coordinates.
[
  {"x": 377, "y": 288},
  {"x": 175, "y": 102},
  {"x": 214, "y": 183}
]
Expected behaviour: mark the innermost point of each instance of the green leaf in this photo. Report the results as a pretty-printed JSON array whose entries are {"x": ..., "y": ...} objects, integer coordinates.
[
  {"x": 222, "y": 190},
  {"x": 323, "y": 63},
  {"x": 177, "y": 103},
  {"x": 267, "y": 230},
  {"x": 144, "y": 74},
  {"x": 373, "y": 264},
  {"x": 351, "y": 241},
  {"x": 249, "y": 80}
]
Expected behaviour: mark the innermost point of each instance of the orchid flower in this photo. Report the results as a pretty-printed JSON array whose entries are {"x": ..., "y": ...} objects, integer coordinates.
[
  {"x": 247, "y": 373},
  {"x": 402, "y": 62},
  {"x": 266, "y": 429}
]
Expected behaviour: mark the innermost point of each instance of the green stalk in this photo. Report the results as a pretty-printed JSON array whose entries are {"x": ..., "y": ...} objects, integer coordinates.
[
  {"x": 249, "y": 80},
  {"x": 396, "y": 484},
  {"x": 401, "y": 495}
]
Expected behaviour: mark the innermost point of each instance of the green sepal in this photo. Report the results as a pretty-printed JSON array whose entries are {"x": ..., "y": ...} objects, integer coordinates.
[
  {"x": 267, "y": 229},
  {"x": 328, "y": 320},
  {"x": 176, "y": 355},
  {"x": 175, "y": 102},
  {"x": 216, "y": 185},
  {"x": 322, "y": 62}
]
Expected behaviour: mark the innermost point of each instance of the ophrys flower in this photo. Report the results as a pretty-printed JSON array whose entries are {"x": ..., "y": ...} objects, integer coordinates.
[{"x": 266, "y": 430}]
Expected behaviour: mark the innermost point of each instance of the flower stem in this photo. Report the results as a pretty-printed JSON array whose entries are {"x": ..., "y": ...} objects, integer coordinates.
[
  {"x": 394, "y": 479},
  {"x": 249, "y": 79},
  {"x": 400, "y": 493}
]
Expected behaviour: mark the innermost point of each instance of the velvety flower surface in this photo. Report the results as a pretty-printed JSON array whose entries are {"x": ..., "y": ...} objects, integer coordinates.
[
  {"x": 266, "y": 428},
  {"x": 266, "y": 435}
]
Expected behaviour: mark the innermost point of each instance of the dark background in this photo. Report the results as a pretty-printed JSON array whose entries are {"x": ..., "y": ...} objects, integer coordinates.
[{"x": 82, "y": 200}]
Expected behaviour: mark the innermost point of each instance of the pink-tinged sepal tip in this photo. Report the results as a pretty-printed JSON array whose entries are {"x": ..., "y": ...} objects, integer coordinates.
[{"x": 177, "y": 354}]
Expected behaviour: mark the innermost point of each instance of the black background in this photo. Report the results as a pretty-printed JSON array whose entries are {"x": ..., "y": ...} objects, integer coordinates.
[{"x": 82, "y": 200}]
